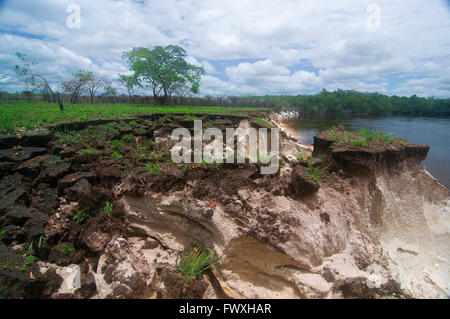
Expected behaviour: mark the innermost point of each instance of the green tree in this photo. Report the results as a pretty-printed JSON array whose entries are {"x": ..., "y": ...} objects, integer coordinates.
[
  {"x": 110, "y": 92},
  {"x": 165, "y": 71},
  {"x": 129, "y": 81},
  {"x": 33, "y": 79}
]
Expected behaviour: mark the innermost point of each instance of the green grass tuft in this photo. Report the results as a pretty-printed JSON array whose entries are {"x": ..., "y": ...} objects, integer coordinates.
[
  {"x": 108, "y": 209},
  {"x": 196, "y": 262}
]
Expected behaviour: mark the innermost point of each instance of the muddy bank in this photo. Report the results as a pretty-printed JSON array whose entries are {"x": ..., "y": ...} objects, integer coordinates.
[{"x": 341, "y": 222}]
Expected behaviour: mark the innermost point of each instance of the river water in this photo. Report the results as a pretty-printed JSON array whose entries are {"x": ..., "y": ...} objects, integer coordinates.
[{"x": 431, "y": 131}]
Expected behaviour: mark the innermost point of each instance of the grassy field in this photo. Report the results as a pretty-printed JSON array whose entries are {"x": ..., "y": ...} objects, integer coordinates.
[{"x": 28, "y": 115}]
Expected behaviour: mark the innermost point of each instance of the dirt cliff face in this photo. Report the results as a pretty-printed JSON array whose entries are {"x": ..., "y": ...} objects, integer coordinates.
[
  {"x": 343, "y": 222},
  {"x": 403, "y": 209},
  {"x": 285, "y": 236}
]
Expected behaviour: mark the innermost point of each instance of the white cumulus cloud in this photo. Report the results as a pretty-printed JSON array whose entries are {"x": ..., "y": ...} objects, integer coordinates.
[{"x": 246, "y": 47}]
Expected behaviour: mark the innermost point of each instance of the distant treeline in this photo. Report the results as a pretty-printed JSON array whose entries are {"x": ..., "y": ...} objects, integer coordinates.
[
  {"x": 341, "y": 101},
  {"x": 337, "y": 102},
  {"x": 122, "y": 98}
]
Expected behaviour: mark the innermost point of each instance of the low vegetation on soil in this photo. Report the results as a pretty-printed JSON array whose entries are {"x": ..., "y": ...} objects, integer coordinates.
[
  {"x": 108, "y": 209},
  {"x": 262, "y": 122},
  {"x": 29, "y": 260},
  {"x": 132, "y": 158},
  {"x": 86, "y": 151},
  {"x": 80, "y": 217},
  {"x": 29, "y": 115},
  {"x": 153, "y": 169},
  {"x": 299, "y": 157},
  {"x": 66, "y": 249},
  {"x": 316, "y": 173},
  {"x": 365, "y": 138},
  {"x": 196, "y": 262},
  {"x": 116, "y": 155}
]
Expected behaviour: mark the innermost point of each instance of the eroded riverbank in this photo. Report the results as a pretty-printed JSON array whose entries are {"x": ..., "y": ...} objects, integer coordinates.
[
  {"x": 342, "y": 222},
  {"x": 431, "y": 131}
]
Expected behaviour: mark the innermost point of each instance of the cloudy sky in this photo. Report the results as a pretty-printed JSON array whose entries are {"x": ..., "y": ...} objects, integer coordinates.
[{"x": 247, "y": 47}]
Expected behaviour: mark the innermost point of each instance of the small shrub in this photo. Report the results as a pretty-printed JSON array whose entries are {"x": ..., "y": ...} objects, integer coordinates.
[
  {"x": 361, "y": 143},
  {"x": 2, "y": 233},
  {"x": 86, "y": 151},
  {"x": 343, "y": 140},
  {"x": 299, "y": 157},
  {"x": 79, "y": 217},
  {"x": 116, "y": 155},
  {"x": 118, "y": 145},
  {"x": 153, "y": 169},
  {"x": 372, "y": 136},
  {"x": 29, "y": 260},
  {"x": 316, "y": 174},
  {"x": 153, "y": 155},
  {"x": 127, "y": 138},
  {"x": 66, "y": 249},
  {"x": 56, "y": 159},
  {"x": 365, "y": 138}
]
